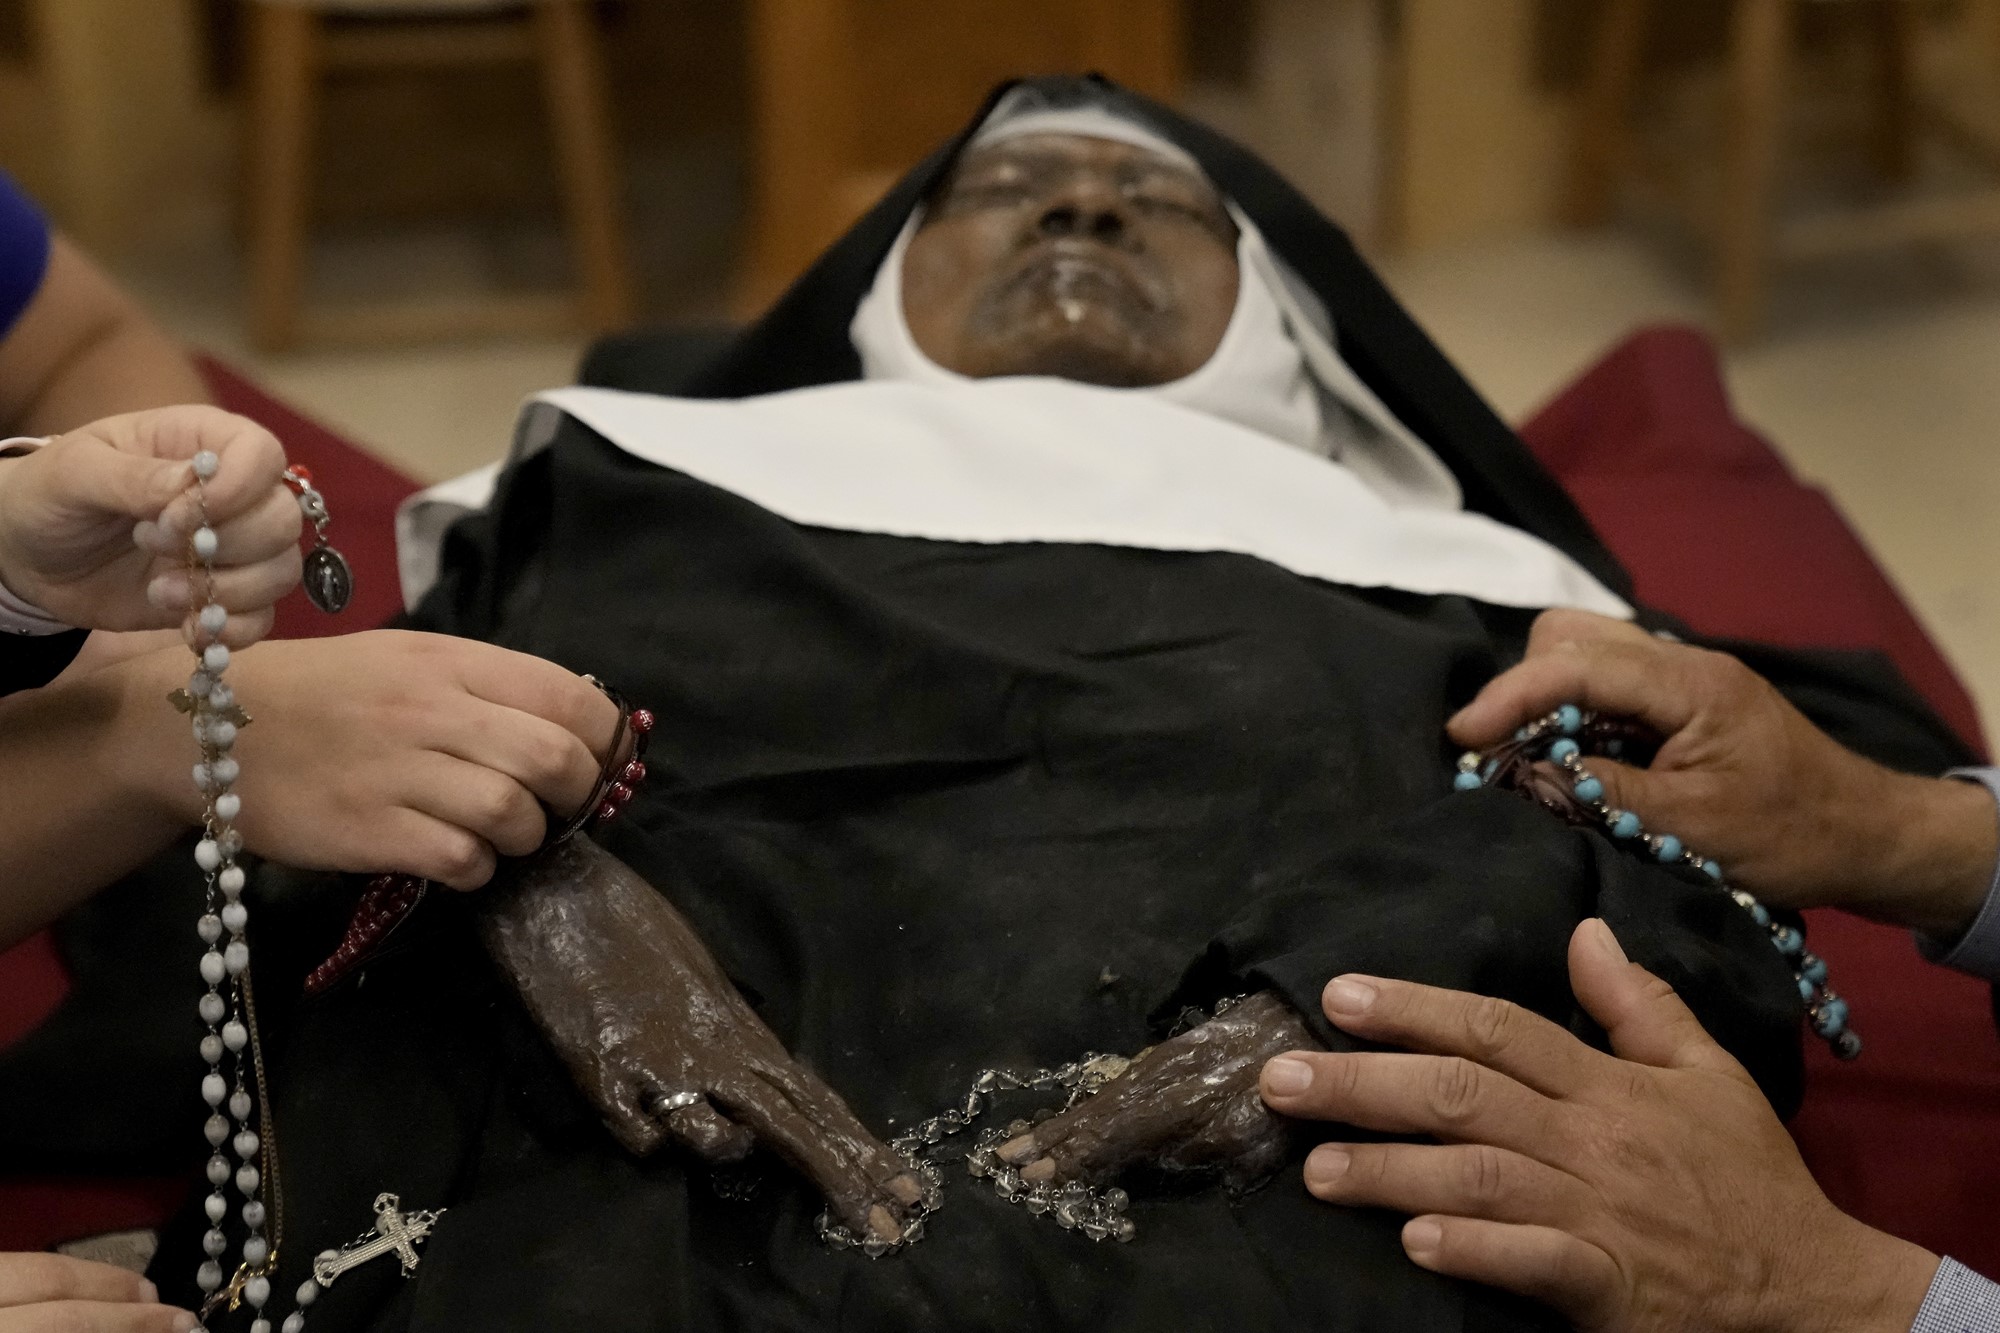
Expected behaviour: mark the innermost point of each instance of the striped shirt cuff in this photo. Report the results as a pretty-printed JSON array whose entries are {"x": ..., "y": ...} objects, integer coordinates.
[
  {"x": 1977, "y": 951},
  {"x": 1959, "y": 1301}
]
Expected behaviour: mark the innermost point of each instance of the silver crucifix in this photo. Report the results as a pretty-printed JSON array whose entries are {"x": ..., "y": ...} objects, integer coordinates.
[{"x": 396, "y": 1232}]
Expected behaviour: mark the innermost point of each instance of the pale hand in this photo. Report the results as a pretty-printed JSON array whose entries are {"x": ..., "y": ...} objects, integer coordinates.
[
  {"x": 94, "y": 526},
  {"x": 386, "y": 751},
  {"x": 1744, "y": 778},
  {"x": 51, "y": 1293},
  {"x": 1650, "y": 1191}
]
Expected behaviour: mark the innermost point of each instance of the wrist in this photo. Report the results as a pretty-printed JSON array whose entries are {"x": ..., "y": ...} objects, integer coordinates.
[
  {"x": 1860, "y": 1281},
  {"x": 1935, "y": 844},
  {"x": 152, "y": 758}
]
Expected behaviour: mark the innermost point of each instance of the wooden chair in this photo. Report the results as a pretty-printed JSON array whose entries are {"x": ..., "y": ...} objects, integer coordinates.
[
  {"x": 1748, "y": 237},
  {"x": 293, "y": 45},
  {"x": 847, "y": 94}
]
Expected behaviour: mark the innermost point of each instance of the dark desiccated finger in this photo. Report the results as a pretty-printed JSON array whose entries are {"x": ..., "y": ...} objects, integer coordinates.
[
  {"x": 818, "y": 1102},
  {"x": 825, "y": 1157},
  {"x": 708, "y": 1133}
]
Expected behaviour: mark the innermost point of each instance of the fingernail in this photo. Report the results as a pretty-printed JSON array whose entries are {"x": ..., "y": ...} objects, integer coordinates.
[
  {"x": 1017, "y": 1150},
  {"x": 1326, "y": 1164},
  {"x": 1421, "y": 1238},
  {"x": 170, "y": 592},
  {"x": 1037, "y": 1172},
  {"x": 148, "y": 1294},
  {"x": 906, "y": 1190},
  {"x": 1287, "y": 1077},
  {"x": 1349, "y": 997},
  {"x": 187, "y": 1323},
  {"x": 1608, "y": 942},
  {"x": 147, "y": 536},
  {"x": 882, "y": 1225}
]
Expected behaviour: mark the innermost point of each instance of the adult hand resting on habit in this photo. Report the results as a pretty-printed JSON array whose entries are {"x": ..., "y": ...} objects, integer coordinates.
[
  {"x": 1189, "y": 1103},
  {"x": 51, "y": 1293},
  {"x": 94, "y": 526},
  {"x": 1649, "y": 1191},
  {"x": 1797, "y": 818},
  {"x": 663, "y": 1045}
]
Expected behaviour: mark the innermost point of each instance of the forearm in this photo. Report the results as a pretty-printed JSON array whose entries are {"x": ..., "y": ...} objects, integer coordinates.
[
  {"x": 82, "y": 764},
  {"x": 126, "y": 365}
]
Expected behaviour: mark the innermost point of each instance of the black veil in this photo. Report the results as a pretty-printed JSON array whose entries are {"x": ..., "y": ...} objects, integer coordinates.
[{"x": 803, "y": 339}]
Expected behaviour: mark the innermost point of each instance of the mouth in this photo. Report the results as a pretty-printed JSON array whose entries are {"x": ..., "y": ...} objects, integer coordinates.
[{"x": 1075, "y": 277}]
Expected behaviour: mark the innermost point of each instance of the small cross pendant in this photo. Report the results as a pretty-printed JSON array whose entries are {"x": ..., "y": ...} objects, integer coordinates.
[{"x": 396, "y": 1232}]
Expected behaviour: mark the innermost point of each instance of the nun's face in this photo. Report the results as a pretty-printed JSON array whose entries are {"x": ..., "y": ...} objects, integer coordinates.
[{"x": 1088, "y": 259}]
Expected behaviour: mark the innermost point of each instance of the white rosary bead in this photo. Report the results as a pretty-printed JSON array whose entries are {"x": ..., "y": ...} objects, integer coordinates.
[
  {"x": 204, "y": 779},
  {"x": 222, "y": 733},
  {"x": 239, "y": 1104},
  {"x": 218, "y": 1170},
  {"x": 200, "y": 684},
  {"x": 236, "y": 957},
  {"x": 246, "y": 1179},
  {"x": 234, "y": 1035},
  {"x": 206, "y": 464},
  {"x": 209, "y": 1276},
  {"x": 215, "y": 1206},
  {"x": 213, "y": 1089},
  {"x": 209, "y": 927},
  {"x": 208, "y": 854},
  {"x": 253, "y": 1213},
  {"x": 229, "y": 804},
  {"x": 308, "y": 1292},
  {"x": 206, "y": 543},
  {"x": 255, "y": 1251},
  {"x": 217, "y": 1129},
  {"x": 246, "y": 1143},
  {"x": 221, "y": 697},
  {"x": 226, "y": 771},
  {"x": 212, "y": 970},
  {"x": 257, "y": 1291},
  {"x": 215, "y": 659},
  {"x": 212, "y": 620},
  {"x": 211, "y": 1010},
  {"x": 260, "y": 1325},
  {"x": 214, "y": 1243},
  {"x": 234, "y": 917},
  {"x": 231, "y": 842},
  {"x": 294, "y": 1323},
  {"x": 211, "y": 1049}
]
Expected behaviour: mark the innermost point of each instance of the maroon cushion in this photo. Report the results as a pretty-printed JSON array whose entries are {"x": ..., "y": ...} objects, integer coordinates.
[{"x": 1715, "y": 530}]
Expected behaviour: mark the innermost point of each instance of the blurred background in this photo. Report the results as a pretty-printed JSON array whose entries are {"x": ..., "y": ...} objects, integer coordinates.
[{"x": 404, "y": 215}]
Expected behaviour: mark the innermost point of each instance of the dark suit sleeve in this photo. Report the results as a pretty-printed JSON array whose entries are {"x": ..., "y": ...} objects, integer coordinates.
[
  {"x": 1481, "y": 892},
  {"x": 28, "y": 661}
]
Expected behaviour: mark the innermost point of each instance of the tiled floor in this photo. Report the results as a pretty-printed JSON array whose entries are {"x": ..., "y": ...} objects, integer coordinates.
[{"x": 1880, "y": 381}]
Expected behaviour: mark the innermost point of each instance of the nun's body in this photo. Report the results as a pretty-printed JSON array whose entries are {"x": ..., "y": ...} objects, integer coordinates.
[{"x": 1002, "y": 759}]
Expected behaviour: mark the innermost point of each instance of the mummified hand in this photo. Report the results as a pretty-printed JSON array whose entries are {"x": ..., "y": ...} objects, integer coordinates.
[
  {"x": 661, "y": 1042},
  {"x": 1189, "y": 1103}
]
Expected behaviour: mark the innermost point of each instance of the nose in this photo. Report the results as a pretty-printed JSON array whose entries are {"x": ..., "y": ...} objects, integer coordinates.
[{"x": 1088, "y": 208}]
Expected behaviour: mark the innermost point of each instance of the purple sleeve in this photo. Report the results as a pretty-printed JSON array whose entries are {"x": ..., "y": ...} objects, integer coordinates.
[{"x": 24, "y": 251}]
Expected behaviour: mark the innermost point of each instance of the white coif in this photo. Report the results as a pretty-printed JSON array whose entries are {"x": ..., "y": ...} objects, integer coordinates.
[{"x": 1038, "y": 460}]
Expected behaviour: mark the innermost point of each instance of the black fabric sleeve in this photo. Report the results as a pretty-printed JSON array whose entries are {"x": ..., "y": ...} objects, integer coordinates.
[
  {"x": 29, "y": 661},
  {"x": 1481, "y": 892}
]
